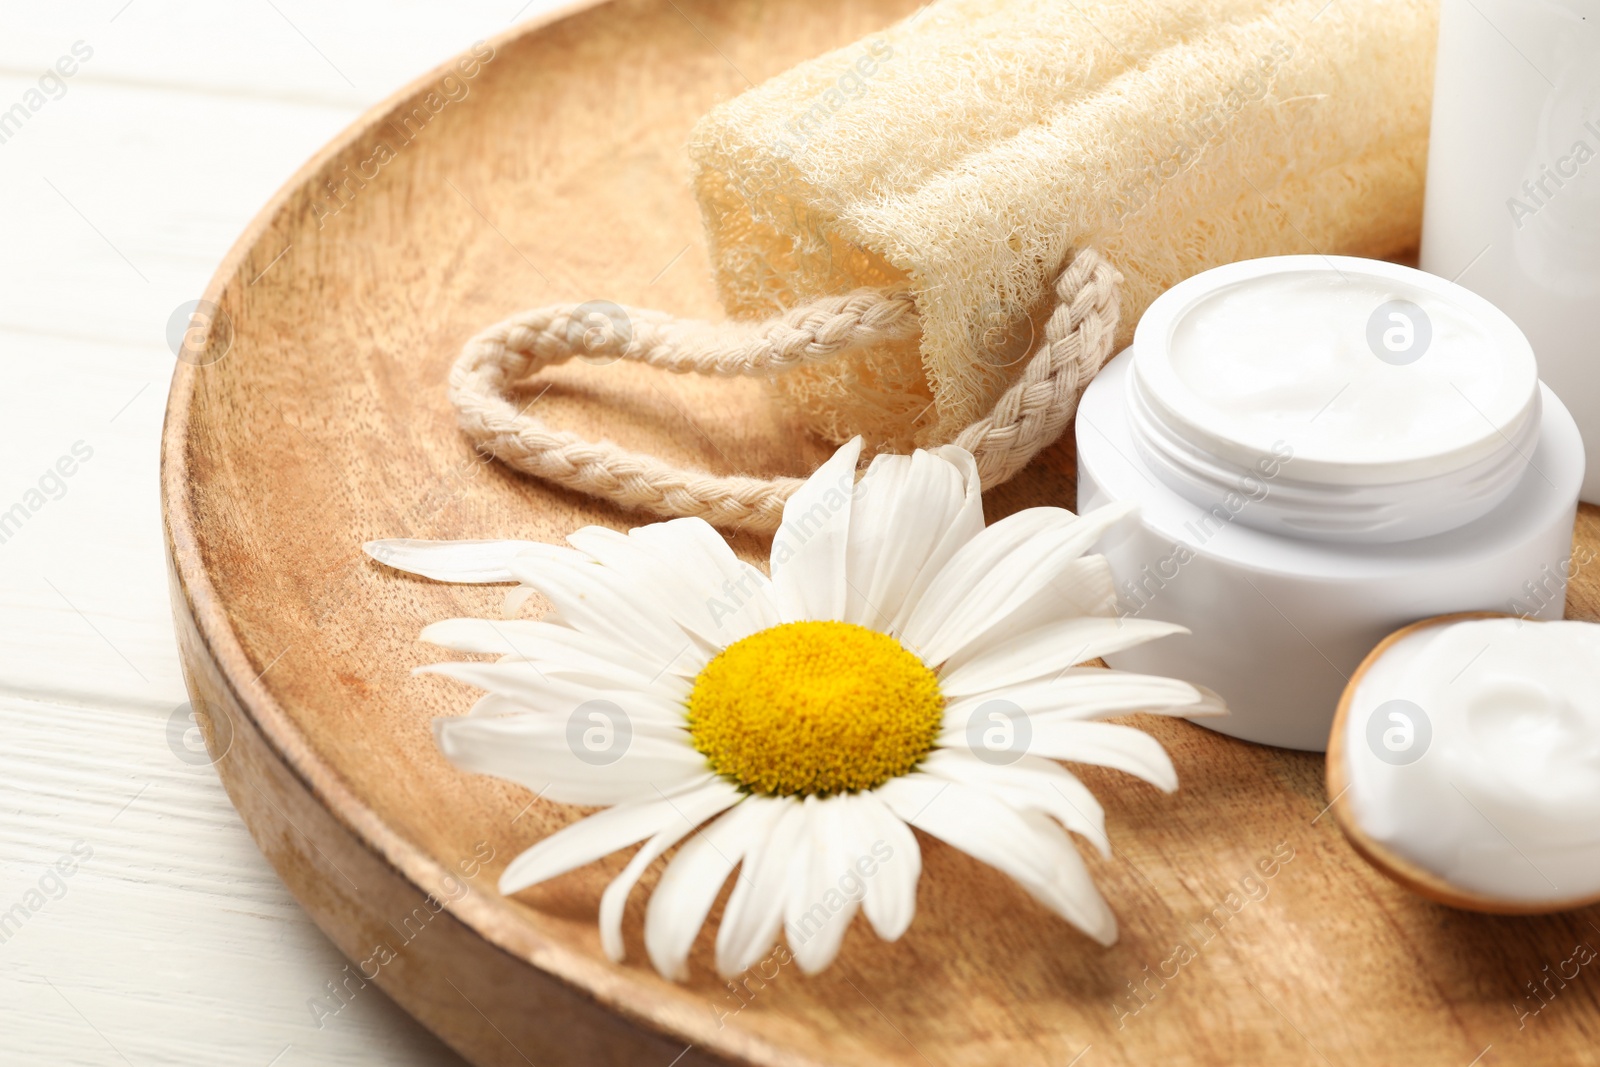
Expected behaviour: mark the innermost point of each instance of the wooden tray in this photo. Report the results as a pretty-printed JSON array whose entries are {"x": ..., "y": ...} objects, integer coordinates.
[{"x": 319, "y": 420}]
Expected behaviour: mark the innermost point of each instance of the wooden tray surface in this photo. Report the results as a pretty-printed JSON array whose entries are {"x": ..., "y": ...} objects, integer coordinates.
[{"x": 323, "y": 422}]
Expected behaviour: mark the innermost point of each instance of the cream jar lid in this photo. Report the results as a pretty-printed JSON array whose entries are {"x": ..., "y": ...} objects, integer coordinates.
[{"x": 1345, "y": 398}]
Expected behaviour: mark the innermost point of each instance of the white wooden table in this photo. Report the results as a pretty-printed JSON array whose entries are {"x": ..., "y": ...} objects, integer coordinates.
[{"x": 139, "y": 925}]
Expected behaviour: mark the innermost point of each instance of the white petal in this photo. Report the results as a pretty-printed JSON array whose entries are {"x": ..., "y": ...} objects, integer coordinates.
[
  {"x": 877, "y": 526},
  {"x": 1029, "y": 782},
  {"x": 1082, "y": 694},
  {"x": 693, "y": 807},
  {"x": 525, "y": 639},
  {"x": 600, "y": 601},
  {"x": 891, "y": 899},
  {"x": 1006, "y": 659},
  {"x": 1210, "y": 704},
  {"x": 495, "y": 705},
  {"x": 550, "y": 693},
  {"x": 557, "y": 651},
  {"x": 908, "y": 517},
  {"x": 1081, "y": 588},
  {"x": 808, "y": 551},
  {"x": 1029, "y": 847},
  {"x": 515, "y": 599},
  {"x": 686, "y": 567},
  {"x": 825, "y": 888},
  {"x": 997, "y": 572},
  {"x": 542, "y": 753},
  {"x": 755, "y": 907},
  {"x": 969, "y": 569},
  {"x": 450, "y": 561},
  {"x": 592, "y": 838},
  {"x": 742, "y": 600},
  {"x": 1069, "y": 890},
  {"x": 691, "y": 882},
  {"x": 1106, "y": 744}
]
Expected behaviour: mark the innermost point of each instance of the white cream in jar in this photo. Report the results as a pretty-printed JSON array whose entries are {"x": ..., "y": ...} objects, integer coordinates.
[
  {"x": 1400, "y": 405},
  {"x": 1323, "y": 449},
  {"x": 1343, "y": 409},
  {"x": 1472, "y": 750}
]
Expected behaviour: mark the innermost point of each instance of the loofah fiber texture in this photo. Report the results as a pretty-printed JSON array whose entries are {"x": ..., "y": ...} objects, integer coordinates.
[{"x": 964, "y": 153}]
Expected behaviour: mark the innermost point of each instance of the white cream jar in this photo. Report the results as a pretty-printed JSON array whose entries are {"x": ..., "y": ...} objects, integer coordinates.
[
  {"x": 1467, "y": 758},
  {"x": 1323, "y": 449}
]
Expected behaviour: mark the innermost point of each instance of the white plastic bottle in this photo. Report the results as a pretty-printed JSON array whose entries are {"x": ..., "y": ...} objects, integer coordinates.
[{"x": 1512, "y": 209}]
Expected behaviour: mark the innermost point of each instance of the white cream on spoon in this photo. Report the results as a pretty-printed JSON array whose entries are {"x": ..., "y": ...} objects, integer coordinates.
[{"x": 1471, "y": 750}]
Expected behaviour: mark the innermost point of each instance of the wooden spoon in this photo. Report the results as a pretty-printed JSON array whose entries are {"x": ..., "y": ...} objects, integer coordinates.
[{"x": 1418, "y": 879}]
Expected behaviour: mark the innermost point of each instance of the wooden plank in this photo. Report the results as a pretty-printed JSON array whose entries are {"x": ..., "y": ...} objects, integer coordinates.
[
  {"x": 345, "y": 55},
  {"x": 165, "y": 937},
  {"x": 175, "y": 943}
]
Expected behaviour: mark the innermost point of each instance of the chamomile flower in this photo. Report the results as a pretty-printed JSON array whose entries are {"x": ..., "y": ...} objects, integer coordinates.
[{"x": 903, "y": 666}]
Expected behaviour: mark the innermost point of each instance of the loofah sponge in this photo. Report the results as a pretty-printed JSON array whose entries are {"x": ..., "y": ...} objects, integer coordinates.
[{"x": 969, "y": 150}]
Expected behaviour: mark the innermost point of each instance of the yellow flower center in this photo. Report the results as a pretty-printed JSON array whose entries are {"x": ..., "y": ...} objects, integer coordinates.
[{"x": 815, "y": 708}]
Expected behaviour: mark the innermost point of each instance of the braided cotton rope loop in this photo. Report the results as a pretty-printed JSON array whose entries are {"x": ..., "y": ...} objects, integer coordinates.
[
  {"x": 1030, "y": 415},
  {"x": 1034, "y": 411}
]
